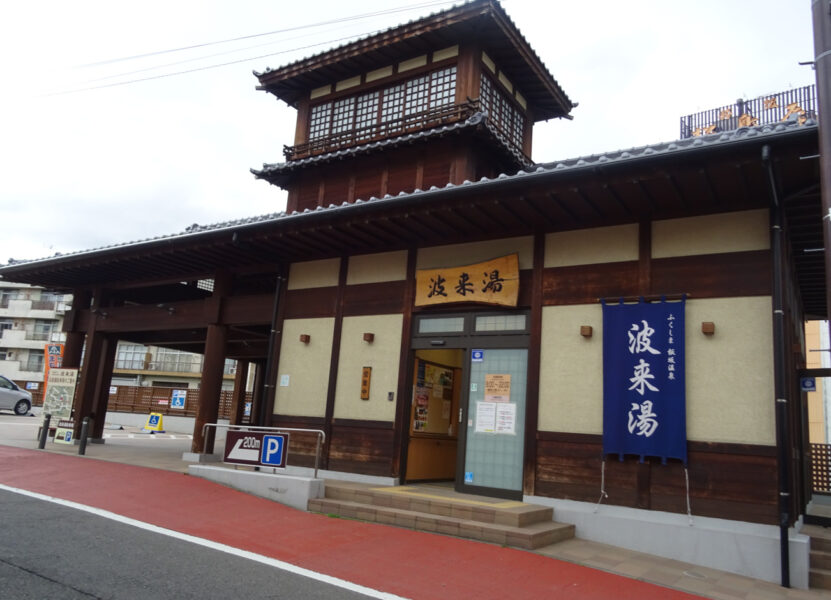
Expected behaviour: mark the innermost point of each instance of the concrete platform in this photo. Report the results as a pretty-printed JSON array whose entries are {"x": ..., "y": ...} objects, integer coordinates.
[{"x": 290, "y": 490}]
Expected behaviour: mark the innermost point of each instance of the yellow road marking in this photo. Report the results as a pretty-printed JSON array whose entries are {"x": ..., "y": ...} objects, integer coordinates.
[{"x": 403, "y": 490}]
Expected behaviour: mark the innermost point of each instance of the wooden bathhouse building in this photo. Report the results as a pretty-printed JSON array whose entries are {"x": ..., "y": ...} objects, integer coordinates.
[{"x": 445, "y": 308}]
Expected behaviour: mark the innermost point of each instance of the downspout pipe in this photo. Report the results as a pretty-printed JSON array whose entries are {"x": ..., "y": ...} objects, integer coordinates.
[
  {"x": 268, "y": 384},
  {"x": 780, "y": 387}
]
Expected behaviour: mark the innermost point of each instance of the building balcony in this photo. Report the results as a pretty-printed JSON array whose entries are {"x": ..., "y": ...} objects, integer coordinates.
[
  {"x": 376, "y": 131},
  {"x": 21, "y": 338},
  {"x": 798, "y": 105},
  {"x": 28, "y": 309}
]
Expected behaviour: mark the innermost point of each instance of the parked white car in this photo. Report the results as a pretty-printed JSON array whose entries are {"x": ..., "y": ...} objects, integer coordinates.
[{"x": 13, "y": 398}]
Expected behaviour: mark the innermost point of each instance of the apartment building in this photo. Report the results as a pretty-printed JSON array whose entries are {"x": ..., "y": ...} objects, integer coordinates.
[{"x": 30, "y": 318}]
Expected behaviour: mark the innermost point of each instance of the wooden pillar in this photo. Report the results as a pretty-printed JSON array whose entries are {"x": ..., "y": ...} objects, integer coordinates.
[
  {"x": 404, "y": 388},
  {"x": 334, "y": 363},
  {"x": 258, "y": 396},
  {"x": 74, "y": 346},
  {"x": 102, "y": 387},
  {"x": 88, "y": 377},
  {"x": 532, "y": 397},
  {"x": 238, "y": 402},
  {"x": 213, "y": 366},
  {"x": 210, "y": 388}
]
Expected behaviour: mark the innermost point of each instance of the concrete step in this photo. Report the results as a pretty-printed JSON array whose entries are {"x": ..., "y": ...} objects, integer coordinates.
[
  {"x": 467, "y": 508},
  {"x": 820, "y": 560},
  {"x": 820, "y": 537},
  {"x": 530, "y": 536},
  {"x": 819, "y": 579}
]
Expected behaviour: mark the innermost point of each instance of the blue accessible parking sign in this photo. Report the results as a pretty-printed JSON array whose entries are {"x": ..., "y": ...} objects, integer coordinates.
[{"x": 274, "y": 450}]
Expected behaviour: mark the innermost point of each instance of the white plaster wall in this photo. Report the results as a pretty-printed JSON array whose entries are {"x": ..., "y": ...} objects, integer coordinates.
[
  {"x": 571, "y": 384},
  {"x": 382, "y": 355},
  {"x": 592, "y": 246},
  {"x": 453, "y": 255},
  {"x": 376, "y": 268},
  {"x": 307, "y": 366},
  {"x": 729, "y": 375},
  {"x": 711, "y": 234},
  {"x": 314, "y": 274}
]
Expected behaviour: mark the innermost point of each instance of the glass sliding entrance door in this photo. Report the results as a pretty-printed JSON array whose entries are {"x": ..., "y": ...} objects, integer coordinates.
[
  {"x": 488, "y": 417},
  {"x": 495, "y": 428}
]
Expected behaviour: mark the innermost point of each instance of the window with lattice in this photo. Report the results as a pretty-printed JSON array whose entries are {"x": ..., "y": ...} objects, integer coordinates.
[
  {"x": 366, "y": 115},
  {"x": 383, "y": 112},
  {"x": 319, "y": 122},
  {"x": 443, "y": 87},
  {"x": 343, "y": 115},
  {"x": 502, "y": 113}
]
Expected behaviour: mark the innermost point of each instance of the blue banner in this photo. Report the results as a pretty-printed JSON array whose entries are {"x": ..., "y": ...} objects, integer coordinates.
[{"x": 644, "y": 385}]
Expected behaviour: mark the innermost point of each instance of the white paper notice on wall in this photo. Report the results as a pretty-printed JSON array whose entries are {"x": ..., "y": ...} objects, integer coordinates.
[
  {"x": 284, "y": 381},
  {"x": 485, "y": 417},
  {"x": 506, "y": 418}
]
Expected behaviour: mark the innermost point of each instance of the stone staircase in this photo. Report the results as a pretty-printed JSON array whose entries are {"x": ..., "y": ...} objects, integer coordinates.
[
  {"x": 438, "y": 509},
  {"x": 819, "y": 574}
]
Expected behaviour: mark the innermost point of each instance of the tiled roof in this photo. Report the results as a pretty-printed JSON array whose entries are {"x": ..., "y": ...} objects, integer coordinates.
[
  {"x": 542, "y": 170},
  {"x": 499, "y": 16}
]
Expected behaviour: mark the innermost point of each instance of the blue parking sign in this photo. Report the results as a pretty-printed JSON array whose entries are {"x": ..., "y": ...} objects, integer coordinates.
[
  {"x": 274, "y": 450},
  {"x": 177, "y": 398}
]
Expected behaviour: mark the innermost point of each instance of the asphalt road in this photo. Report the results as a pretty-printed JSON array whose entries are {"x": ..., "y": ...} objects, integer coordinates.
[{"x": 53, "y": 551}]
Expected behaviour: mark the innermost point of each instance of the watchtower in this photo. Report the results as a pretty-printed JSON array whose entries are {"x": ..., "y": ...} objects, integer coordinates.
[{"x": 444, "y": 99}]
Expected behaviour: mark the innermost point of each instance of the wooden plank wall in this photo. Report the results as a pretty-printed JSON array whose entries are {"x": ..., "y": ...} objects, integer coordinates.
[
  {"x": 364, "y": 447},
  {"x": 727, "y": 481}
]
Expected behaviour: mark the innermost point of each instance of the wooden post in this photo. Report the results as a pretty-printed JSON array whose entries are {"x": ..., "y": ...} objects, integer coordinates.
[
  {"x": 74, "y": 346},
  {"x": 238, "y": 403},
  {"x": 258, "y": 397},
  {"x": 103, "y": 379},
  {"x": 213, "y": 366},
  {"x": 88, "y": 378}
]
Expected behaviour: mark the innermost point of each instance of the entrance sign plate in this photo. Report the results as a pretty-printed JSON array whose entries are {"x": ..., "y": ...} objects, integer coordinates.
[{"x": 493, "y": 282}]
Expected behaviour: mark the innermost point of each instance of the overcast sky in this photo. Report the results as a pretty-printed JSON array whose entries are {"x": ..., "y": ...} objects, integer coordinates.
[{"x": 128, "y": 162}]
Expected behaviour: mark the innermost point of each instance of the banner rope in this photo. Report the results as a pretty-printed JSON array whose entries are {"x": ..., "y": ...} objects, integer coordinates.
[
  {"x": 689, "y": 511},
  {"x": 603, "y": 493}
]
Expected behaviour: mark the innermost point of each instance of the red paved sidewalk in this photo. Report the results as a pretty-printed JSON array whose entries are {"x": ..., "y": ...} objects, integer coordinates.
[{"x": 408, "y": 563}]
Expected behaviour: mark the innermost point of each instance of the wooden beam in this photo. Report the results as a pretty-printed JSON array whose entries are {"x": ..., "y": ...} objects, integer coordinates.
[
  {"x": 334, "y": 361},
  {"x": 402, "y": 406},
  {"x": 532, "y": 396}
]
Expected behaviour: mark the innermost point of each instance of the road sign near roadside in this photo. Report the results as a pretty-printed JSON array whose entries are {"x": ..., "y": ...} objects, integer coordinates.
[{"x": 255, "y": 448}]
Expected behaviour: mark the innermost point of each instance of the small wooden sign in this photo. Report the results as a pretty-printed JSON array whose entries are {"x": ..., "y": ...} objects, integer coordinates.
[
  {"x": 366, "y": 378},
  {"x": 493, "y": 282}
]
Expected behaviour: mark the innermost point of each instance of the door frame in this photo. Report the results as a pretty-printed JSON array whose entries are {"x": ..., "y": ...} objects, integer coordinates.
[{"x": 467, "y": 338}]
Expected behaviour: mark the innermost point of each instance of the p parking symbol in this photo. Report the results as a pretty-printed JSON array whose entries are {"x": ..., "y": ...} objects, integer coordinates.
[{"x": 274, "y": 451}]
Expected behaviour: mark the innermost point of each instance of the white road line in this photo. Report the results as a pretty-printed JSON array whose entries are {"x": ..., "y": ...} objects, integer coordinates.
[{"x": 273, "y": 562}]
